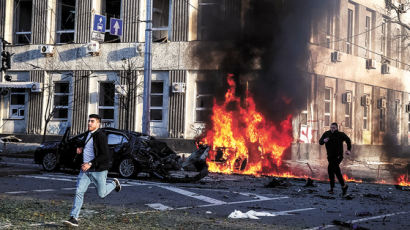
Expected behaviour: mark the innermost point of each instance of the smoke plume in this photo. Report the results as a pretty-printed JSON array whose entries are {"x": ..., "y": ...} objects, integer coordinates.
[{"x": 264, "y": 43}]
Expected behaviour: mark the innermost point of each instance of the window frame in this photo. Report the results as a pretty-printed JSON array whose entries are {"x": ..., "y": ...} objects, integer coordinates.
[
  {"x": 328, "y": 114},
  {"x": 16, "y": 24},
  {"x": 169, "y": 27},
  {"x": 350, "y": 31},
  {"x": 103, "y": 120},
  {"x": 348, "y": 114},
  {"x": 157, "y": 107},
  {"x": 19, "y": 107},
  {"x": 61, "y": 94},
  {"x": 197, "y": 108},
  {"x": 59, "y": 32}
]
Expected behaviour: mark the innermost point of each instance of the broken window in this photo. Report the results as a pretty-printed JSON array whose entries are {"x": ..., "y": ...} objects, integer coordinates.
[
  {"x": 22, "y": 21},
  {"x": 397, "y": 115},
  {"x": 328, "y": 106},
  {"x": 204, "y": 101},
  {"x": 106, "y": 103},
  {"x": 368, "y": 29},
  {"x": 157, "y": 100},
  {"x": 61, "y": 99},
  {"x": 218, "y": 18},
  {"x": 350, "y": 22},
  {"x": 17, "y": 103},
  {"x": 397, "y": 41},
  {"x": 348, "y": 113},
  {"x": 330, "y": 29},
  {"x": 66, "y": 12},
  {"x": 111, "y": 9},
  {"x": 365, "y": 116},
  {"x": 382, "y": 121},
  {"x": 161, "y": 25}
]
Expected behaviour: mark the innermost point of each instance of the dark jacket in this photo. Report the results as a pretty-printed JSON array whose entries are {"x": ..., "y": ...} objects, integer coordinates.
[
  {"x": 101, "y": 161},
  {"x": 334, "y": 146}
]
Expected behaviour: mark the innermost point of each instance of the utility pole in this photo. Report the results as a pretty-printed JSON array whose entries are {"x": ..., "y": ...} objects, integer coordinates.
[{"x": 147, "y": 70}]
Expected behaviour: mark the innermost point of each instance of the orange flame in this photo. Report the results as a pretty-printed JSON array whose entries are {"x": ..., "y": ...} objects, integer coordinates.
[
  {"x": 347, "y": 179},
  {"x": 403, "y": 180},
  {"x": 242, "y": 141}
]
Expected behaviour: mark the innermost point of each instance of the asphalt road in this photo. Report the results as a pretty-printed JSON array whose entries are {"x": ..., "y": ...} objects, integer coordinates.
[{"x": 371, "y": 206}]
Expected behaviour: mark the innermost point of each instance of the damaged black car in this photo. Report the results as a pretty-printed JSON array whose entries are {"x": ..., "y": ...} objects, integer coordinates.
[{"x": 131, "y": 153}]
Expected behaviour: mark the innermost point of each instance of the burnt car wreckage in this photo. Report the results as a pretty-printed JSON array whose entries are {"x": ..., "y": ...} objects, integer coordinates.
[{"x": 131, "y": 153}]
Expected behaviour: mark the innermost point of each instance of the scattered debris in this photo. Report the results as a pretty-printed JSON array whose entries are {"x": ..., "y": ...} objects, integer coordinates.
[
  {"x": 278, "y": 182},
  {"x": 402, "y": 188},
  {"x": 348, "y": 225},
  {"x": 348, "y": 197},
  {"x": 365, "y": 213},
  {"x": 371, "y": 195},
  {"x": 309, "y": 183},
  {"x": 326, "y": 197},
  {"x": 250, "y": 214}
]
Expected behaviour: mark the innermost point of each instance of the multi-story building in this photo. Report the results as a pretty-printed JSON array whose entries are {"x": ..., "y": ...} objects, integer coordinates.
[{"x": 360, "y": 76}]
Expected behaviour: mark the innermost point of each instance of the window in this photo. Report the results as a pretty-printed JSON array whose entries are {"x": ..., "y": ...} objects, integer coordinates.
[
  {"x": 382, "y": 118},
  {"x": 157, "y": 100},
  {"x": 383, "y": 39},
  {"x": 204, "y": 101},
  {"x": 106, "y": 101},
  {"x": 116, "y": 139},
  {"x": 366, "y": 112},
  {"x": 65, "y": 21},
  {"x": 397, "y": 115},
  {"x": 111, "y": 9},
  {"x": 17, "y": 103},
  {"x": 328, "y": 106},
  {"x": 408, "y": 123},
  {"x": 22, "y": 29},
  {"x": 161, "y": 25},
  {"x": 329, "y": 29},
  {"x": 367, "y": 41},
  {"x": 349, "y": 31},
  {"x": 61, "y": 97},
  {"x": 348, "y": 114},
  {"x": 397, "y": 41}
]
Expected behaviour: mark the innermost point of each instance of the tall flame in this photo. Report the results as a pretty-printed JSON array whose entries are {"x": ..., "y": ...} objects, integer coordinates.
[
  {"x": 242, "y": 140},
  {"x": 403, "y": 180}
]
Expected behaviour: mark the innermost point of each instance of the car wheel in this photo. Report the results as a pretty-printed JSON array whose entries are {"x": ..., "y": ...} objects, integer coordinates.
[
  {"x": 127, "y": 168},
  {"x": 50, "y": 162}
]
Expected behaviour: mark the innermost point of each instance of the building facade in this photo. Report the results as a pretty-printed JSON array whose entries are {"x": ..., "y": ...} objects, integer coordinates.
[{"x": 359, "y": 77}]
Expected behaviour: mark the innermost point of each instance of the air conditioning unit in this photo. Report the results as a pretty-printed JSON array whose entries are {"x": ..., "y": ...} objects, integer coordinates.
[
  {"x": 36, "y": 87},
  {"x": 382, "y": 103},
  {"x": 93, "y": 48},
  {"x": 402, "y": 9},
  {"x": 347, "y": 97},
  {"x": 408, "y": 108},
  {"x": 336, "y": 56},
  {"x": 121, "y": 89},
  {"x": 178, "y": 87},
  {"x": 365, "y": 100},
  {"x": 370, "y": 64},
  {"x": 385, "y": 68},
  {"x": 46, "y": 49}
]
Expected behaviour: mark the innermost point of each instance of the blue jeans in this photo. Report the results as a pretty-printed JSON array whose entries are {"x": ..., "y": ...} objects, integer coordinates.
[{"x": 83, "y": 181}]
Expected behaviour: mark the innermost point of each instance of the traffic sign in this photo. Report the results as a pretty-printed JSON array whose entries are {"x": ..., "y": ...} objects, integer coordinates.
[
  {"x": 116, "y": 26},
  {"x": 99, "y": 23}
]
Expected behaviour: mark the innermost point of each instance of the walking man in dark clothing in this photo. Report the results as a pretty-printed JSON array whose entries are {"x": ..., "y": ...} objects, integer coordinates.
[
  {"x": 333, "y": 140},
  {"x": 95, "y": 154}
]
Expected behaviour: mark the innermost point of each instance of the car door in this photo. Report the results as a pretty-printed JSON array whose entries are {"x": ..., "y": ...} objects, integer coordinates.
[{"x": 118, "y": 143}]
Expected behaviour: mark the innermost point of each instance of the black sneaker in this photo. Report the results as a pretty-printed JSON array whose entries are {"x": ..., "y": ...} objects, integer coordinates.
[
  {"x": 330, "y": 191},
  {"x": 71, "y": 222},
  {"x": 344, "y": 189},
  {"x": 117, "y": 185}
]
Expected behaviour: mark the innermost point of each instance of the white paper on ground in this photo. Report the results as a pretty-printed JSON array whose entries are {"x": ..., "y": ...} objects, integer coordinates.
[{"x": 250, "y": 214}]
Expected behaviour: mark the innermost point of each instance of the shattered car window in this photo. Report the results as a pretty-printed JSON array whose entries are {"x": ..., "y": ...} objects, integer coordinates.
[{"x": 115, "y": 139}]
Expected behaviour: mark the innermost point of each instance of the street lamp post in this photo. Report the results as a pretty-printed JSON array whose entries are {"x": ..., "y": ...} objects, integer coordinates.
[{"x": 147, "y": 70}]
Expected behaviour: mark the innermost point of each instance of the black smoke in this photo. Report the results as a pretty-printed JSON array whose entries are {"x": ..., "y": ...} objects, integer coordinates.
[{"x": 265, "y": 43}]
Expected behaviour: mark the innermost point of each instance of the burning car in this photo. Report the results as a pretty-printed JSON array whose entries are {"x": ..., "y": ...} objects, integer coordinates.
[{"x": 132, "y": 153}]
